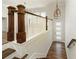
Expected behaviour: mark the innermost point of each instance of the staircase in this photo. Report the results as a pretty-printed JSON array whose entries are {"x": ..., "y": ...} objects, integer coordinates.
[
  {"x": 22, "y": 57},
  {"x": 7, "y": 52},
  {"x": 56, "y": 51},
  {"x": 27, "y": 47},
  {"x": 42, "y": 58}
]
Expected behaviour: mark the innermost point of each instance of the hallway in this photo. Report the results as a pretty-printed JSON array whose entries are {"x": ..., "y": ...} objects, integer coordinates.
[
  {"x": 57, "y": 51},
  {"x": 38, "y": 29}
]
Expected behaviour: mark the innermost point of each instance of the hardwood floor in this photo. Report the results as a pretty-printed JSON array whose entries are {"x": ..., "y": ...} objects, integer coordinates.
[{"x": 57, "y": 51}]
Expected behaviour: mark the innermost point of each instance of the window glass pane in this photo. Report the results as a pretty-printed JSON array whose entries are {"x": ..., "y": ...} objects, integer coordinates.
[
  {"x": 58, "y": 37},
  {"x": 58, "y": 28},
  {"x": 58, "y": 23},
  {"x": 58, "y": 33}
]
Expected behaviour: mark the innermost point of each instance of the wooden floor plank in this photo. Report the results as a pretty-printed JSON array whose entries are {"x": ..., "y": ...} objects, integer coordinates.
[{"x": 57, "y": 51}]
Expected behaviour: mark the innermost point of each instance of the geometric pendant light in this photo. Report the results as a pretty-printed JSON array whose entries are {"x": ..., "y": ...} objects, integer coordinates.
[{"x": 57, "y": 12}]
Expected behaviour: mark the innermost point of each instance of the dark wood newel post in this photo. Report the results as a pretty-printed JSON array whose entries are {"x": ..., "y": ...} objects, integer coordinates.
[
  {"x": 46, "y": 23},
  {"x": 21, "y": 35},
  {"x": 10, "y": 33}
]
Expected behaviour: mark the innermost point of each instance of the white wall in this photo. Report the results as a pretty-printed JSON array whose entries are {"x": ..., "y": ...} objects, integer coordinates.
[
  {"x": 50, "y": 13},
  {"x": 49, "y": 9},
  {"x": 70, "y": 26},
  {"x": 4, "y": 24}
]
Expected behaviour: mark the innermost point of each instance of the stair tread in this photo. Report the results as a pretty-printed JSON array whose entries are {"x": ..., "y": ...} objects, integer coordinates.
[
  {"x": 22, "y": 57},
  {"x": 16, "y": 58},
  {"x": 42, "y": 58},
  {"x": 7, "y": 52}
]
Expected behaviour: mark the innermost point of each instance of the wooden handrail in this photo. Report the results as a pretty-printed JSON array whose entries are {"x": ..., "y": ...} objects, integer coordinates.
[
  {"x": 34, "y": 14},
  {"x": 46, "y": 18},
  {"x": 37, "y": 15},
  {"x": 73, "y": 40}
]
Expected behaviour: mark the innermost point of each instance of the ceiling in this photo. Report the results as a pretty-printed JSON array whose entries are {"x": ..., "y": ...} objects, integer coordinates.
[{"x": 28, "y": 3}]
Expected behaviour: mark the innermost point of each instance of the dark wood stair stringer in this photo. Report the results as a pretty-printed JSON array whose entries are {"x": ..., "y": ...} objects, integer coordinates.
[{"x": 7, "y": 52}]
